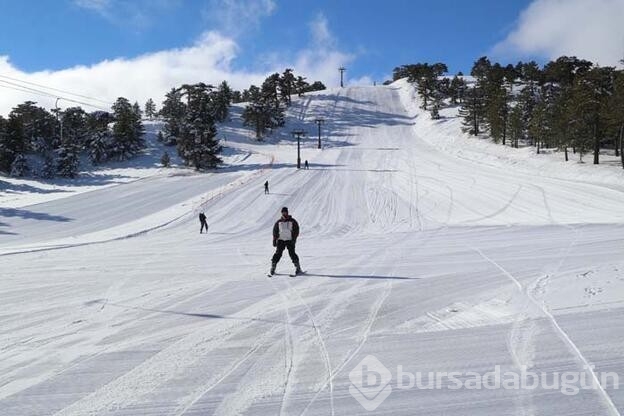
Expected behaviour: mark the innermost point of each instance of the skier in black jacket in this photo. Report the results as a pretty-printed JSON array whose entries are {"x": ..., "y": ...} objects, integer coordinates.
[
  {"x": 202, "y": 221},
  {"x": 285, "y": 233}
]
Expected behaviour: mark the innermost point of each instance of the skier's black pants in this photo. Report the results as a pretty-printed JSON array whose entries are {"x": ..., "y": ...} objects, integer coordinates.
[
  {"x": 281, "y": 245},
  {"x": 203, "y": 224}
]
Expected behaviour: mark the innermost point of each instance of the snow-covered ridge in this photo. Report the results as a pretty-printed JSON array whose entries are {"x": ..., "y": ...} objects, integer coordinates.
[{"x": 446, "y": 135}]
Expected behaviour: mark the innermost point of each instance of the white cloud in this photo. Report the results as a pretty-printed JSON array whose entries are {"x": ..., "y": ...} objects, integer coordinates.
[
  {"x": 321, "y": 35},
  {"x": 320, "y": 60},
  {"x": 322, "y": 65},
  {"x": 365, "y": 80},
  {"x": 235, "y": 17},
  {"x": 589, "y": 29},
  {"x": 137, "y": 14},
  {"x": 150, "y": 75},
  {"x": 210, "y": 59},
  {"x": 99, "y": 6}
]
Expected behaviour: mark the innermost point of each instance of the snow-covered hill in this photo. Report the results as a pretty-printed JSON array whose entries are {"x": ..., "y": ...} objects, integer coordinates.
[{"x": 422, "y": 250}]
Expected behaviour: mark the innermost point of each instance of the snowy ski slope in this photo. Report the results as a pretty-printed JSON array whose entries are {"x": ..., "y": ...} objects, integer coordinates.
[{"x": 114, "y": 304}]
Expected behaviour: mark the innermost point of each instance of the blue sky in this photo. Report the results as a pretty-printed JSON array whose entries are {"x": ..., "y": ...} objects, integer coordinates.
[
  {"x": 142, "y": 48},
  {"x": 41, "y": 34}
]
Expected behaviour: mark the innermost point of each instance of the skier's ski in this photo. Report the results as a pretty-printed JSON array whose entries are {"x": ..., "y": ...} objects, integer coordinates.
[{"x": 284, "y": 274}]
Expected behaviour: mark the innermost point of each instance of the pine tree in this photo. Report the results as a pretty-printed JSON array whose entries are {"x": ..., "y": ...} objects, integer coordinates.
[
  {"x": 270, "y": 91},
  {"x": 553, "y": 118},
  {"x": 38, "y": 127},
  {"x": 435, "y": 111},
  {"x": 136, "y": 109},
  {"x": 615, "y": 113},
  {"x": 222, "y": 102},
  {"x": 559, "y": 120},
  {"x": 257, "y": 115},
  {"x": 472, "y": 111},
  {"x": 67, "y": 161},
  {"x": 590, "y": 99},
  {"x": 150, "y": 109},
  {"x": 565, "y": 69},
  {"x": 127, "y": 130},
  {"x": 496, "y": 112},
  {"x": 436, "y": 105},
  {"x": 491, "y": 80},
  {"x": 73, "y": 139},
  {"x": 527, "y": 100},
  {"x": 265, "y": 110},
  {"x": 198, "y": 145},
  {"x": 13, "y": 142},
  {"x": 48, "y": 171},
  {"x": 287, "y": 85},
  {"x": 538, "y": 129},
  {"x": 98, "y": 140},
  {"x": 316, "y": 86},
  {"x": 426, "y": 78},
  {"x": 271, "y": 95},
  {"x": 530, "y": 73},
  {"x": 75, "y": 127},
  {"x": 580, "y": 131},
  {"x": 481, "y": 68},
  {"x": 19, "y": 166},
  {"x": 4, "y": 166},
  {"x": 515, "y": 125},
  {"x": 246, "y": 95},
  {"x": 7, "y": 154},
  {"x": 99, "y": 145},
  {"x": 237, "y": 97},
  {"x": 456, "y": 90},
  {"x": 426, "y": 89},
  {"x": 173, "y": 112},
  {"x": 400, "y": 72},
  {"x": 165, "y": 160},
  {"x": 301, "y": 86}
]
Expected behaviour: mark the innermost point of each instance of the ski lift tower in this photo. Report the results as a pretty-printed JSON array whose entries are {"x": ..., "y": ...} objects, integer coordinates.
[
  {"x": 298, "y": 134},
  {"x": 318, "y": 122},
  {"x": 342, "y": 69}
]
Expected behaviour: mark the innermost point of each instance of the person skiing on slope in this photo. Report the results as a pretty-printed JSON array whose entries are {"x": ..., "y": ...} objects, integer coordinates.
[
  {"x": 306, "y": 165},
  {"x": 266, "y": 187},
  {"x": 202, "y": 221},
  {"x": 285, "y": 233}
]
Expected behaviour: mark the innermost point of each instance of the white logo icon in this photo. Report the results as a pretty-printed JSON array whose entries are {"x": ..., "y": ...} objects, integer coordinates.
[{"x": 370, "y": 383}]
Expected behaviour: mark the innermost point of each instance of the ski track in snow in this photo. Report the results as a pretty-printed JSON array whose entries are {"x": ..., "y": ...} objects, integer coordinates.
[
  {"x": 522, "y": 334},
  {"x": 405, "y": 237}
]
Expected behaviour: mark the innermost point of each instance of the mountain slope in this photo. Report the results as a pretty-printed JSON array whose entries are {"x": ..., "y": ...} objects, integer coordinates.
[{"x": 415, "y": 256}]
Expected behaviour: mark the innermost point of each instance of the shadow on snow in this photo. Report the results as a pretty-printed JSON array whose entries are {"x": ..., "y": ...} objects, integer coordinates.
[{"x": 104, "y": 302}]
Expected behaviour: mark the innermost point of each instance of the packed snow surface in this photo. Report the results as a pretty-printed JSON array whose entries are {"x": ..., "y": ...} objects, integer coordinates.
[{"x": 424, "y": 248}]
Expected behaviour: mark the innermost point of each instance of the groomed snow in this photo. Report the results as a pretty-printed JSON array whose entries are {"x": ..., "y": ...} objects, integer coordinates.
[{"x": 424, "y": 248}]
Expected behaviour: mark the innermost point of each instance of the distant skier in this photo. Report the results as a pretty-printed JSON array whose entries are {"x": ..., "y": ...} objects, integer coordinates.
[
  {"x": 266, "y": 187},
  {"x": 306, "y": 164},
  {"x": 285, "y": 233},
  {"x": 202, "y": 221}
]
